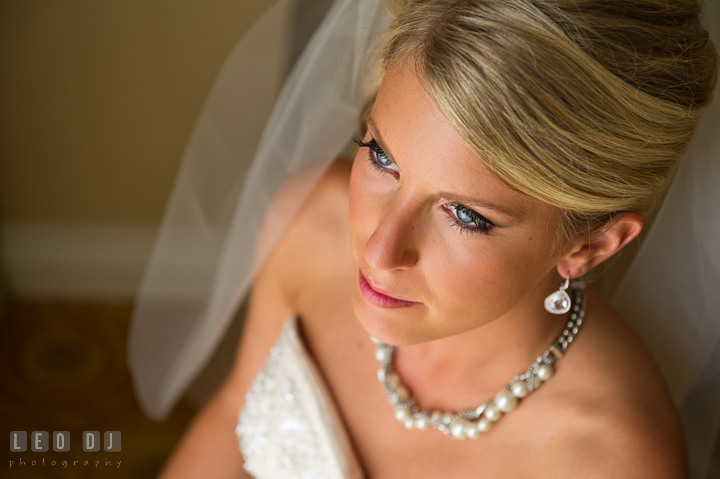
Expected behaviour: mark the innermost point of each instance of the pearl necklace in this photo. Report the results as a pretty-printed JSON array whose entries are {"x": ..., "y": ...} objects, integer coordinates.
[{"x": 471, "y": 423}]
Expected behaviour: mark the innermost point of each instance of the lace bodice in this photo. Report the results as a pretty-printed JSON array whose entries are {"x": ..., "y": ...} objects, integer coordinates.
[{"x": 289, "y": 426}]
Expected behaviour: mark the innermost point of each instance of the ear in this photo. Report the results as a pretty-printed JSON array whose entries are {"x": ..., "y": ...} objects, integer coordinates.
[{"x": 586, "y": 254}]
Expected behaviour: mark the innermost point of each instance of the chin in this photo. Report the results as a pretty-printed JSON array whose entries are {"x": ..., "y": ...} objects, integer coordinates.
[{"x": 398, "y": 327}]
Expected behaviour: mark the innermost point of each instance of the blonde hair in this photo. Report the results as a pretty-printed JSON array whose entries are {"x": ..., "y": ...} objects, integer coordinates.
[{"x": 581, "y": 105}]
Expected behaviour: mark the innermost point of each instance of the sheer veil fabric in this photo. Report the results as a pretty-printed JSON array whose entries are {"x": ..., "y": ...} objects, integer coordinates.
[
  {"x": 206, "y": 255},
  {"x": 671, "y": 293}
]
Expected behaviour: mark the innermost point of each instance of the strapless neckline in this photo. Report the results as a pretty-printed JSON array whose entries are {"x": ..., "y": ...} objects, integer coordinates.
[{"x": 289, "y": 426}]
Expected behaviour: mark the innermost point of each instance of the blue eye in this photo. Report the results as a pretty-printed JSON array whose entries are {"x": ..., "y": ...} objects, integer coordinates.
[
  {"x": 468, "y": 220},
  {"x": 464, "y": 216},
  {"x": 377, "y": 156},
  {"x": 382, "y": 158}
]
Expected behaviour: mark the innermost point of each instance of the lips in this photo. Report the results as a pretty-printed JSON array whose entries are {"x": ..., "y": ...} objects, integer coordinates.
[{"x": 379, "y": 299}]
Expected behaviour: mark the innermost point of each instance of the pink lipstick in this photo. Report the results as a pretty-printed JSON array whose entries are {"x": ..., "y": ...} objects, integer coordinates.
[{"x": 381, "y": 300}]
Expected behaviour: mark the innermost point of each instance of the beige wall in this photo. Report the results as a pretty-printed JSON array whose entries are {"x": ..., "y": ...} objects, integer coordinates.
[{"x": 98, "y": 100}]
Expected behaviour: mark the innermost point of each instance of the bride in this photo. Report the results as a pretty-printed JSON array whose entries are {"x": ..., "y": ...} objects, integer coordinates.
[{"x": 424, "y": 313}]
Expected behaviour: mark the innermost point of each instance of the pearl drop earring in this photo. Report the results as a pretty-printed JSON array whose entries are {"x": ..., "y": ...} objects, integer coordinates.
[{"x": 559, "y": 301}]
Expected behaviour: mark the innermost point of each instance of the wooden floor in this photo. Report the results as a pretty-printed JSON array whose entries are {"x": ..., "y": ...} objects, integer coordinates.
[{"x": 63, "y": 368}]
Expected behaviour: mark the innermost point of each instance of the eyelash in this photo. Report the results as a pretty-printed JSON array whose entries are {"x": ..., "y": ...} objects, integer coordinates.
[
  {"x": 482, "y": 225},
  {"x": 374, "y": 151}
]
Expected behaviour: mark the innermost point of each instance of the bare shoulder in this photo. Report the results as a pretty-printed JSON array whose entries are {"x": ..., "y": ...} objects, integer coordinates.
[
  {"x": 295, "y": 258},
  {"x": 315, "y": 246},
  {"x": 313, "y": 240},
  {"x": 620, "y": 418},
  {"x": 611, "y": 441},
  {"x": 326, "y": 208}
]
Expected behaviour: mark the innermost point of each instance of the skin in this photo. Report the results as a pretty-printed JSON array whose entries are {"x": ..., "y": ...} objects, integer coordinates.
[{"x": 473, "y": 318}]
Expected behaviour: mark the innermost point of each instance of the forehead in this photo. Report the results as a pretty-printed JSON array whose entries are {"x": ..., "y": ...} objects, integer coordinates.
[{"x": 428, "y": 150}]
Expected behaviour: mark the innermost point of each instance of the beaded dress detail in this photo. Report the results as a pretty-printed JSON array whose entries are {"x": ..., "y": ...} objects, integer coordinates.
[{"x": 289, "y": 427}]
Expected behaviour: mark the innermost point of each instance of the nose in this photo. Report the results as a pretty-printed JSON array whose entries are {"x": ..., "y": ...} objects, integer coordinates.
[{"x": 393, "y": 243}]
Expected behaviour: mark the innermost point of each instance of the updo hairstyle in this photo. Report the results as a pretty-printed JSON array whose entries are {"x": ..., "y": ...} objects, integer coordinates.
[{"x": 585, "y": 105}]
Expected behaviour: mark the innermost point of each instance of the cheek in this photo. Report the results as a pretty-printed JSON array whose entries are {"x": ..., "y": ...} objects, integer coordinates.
[
  {"x": 476, "y": 279},
  {"x": 369, "y": 193},
  {"x": 355, "y": 191},
  {"x": 462, "y": 277},
  {"x": 360, "y": 207}
]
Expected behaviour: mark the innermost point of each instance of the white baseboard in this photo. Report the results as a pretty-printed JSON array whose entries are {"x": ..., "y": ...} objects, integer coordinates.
[{"x": 79, "y": 261}]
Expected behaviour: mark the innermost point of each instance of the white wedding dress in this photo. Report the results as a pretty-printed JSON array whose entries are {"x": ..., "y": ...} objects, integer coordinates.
[{"x": 289, "y": 426}]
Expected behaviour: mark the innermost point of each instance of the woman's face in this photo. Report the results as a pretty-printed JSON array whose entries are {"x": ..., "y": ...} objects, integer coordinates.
[{"x": 440, "y": 245}]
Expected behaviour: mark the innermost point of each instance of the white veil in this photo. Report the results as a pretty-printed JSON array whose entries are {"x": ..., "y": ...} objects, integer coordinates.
[
  {"x": 671, "y": 293},
  {"x": 203, "y": 260}
]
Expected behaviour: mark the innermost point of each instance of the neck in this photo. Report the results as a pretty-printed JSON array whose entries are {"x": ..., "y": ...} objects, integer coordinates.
[{"x": 463, "y": 370}]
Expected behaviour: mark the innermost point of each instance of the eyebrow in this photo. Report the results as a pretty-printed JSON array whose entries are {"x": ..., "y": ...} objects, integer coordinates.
[{"x": 469, "y": 202}]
